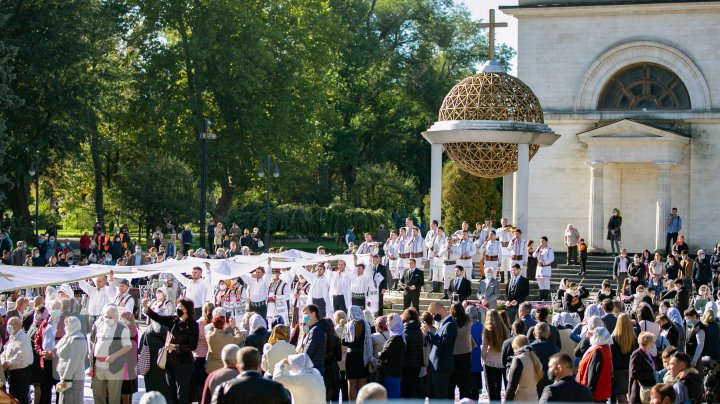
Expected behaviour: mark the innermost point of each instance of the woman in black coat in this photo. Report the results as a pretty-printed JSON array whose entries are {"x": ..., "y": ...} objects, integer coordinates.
[
  {"x": 392, "y": 357},
  {"x": 642, "y": 367},
  {"x": 184, "y": 335},
  {"x": 258, "y": 335},
  {"x": 613, "y": 233},
  {"x": 414, "y": 356}
]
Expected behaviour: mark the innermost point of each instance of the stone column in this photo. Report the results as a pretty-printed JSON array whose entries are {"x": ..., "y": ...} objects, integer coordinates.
[
  {"x": 596, "y": 225},
  {"x": 507, "y": 196},
  {"x": 522, "y": 184},
  {"x": 436, "y": 152},
  {"x": 663, "y": 202}
]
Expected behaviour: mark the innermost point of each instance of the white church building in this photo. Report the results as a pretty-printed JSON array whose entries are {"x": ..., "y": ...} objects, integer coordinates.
[{"x": 633, "y": 88}]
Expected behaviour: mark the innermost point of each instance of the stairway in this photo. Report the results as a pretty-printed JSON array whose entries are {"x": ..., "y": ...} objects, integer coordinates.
[{"x": 598, "y": 268}]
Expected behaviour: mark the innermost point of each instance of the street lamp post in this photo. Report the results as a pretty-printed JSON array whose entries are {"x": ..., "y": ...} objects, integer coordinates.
[
  {"x": 204, "y": 136},
  {"x": 35, "y": 172},
  {"x": 261, "y": 173}
]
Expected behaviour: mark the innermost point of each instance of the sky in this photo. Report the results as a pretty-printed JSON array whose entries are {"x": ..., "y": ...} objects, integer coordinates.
[{"x": 480, "y": 10}]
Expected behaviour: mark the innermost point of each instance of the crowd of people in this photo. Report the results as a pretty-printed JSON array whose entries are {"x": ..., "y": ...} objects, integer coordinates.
[{"x": 319, "y": 333}]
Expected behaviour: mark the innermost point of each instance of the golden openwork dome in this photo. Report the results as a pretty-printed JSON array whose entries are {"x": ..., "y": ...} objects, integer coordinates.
[{"x": 492, "y": 95}]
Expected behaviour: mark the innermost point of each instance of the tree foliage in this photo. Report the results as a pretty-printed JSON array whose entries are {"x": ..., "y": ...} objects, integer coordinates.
[
  {"x": 336, "y": 91},
  {"x": 466, "y": 197}
]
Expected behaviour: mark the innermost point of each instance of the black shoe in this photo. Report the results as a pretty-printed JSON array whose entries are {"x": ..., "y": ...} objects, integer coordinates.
[{"x": 445, "y": 296}]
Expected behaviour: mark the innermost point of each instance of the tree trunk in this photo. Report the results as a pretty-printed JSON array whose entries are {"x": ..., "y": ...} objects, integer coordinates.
[
  {"x": 224, "y": 203},
  {"x": 98, "y": 175},
  {"x": 18, "y": 200}
]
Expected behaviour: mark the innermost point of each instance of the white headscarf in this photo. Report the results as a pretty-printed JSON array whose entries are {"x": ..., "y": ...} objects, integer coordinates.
[
  {"x": 73, "y": 330},
  {"x": 593, "y": 323},
  {"x": 65, "y": 288},
  {"x": 396, "y": 327},
  {"x": 257, "y": 322},
  {"x": 301, "y": 363},
  {"x": 50, "y": 296},
  {"x": 356, "y": 314},
  {"x": 601, "y": 336}
]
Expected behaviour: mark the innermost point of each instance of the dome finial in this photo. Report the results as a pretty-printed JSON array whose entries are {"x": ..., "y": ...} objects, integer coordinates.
[{"x": 491, "y": 34}]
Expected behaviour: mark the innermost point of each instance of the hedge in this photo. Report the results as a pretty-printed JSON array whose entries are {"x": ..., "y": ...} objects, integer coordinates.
[{"x": 308, "y": 220}]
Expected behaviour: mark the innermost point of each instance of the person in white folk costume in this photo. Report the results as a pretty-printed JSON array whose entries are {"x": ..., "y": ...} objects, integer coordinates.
[
  {"x": 449, "y": 258},
  {"x": 199, "y": 288},
  {"x": 300, "y": 297},
  {"x": 465, "y": 226},
  {"x": 409, "y": 226},
  {"x": 545, "y": 256},
  {"x": 339, "y": 287},
  {"x": 434, "y": 240},
  {"x": 360, "y": 283},
  {"x": 391, "y": 258},
  {"x": 98, "y": 295},
  {"x": 519, "y": 251},
  {"x": 403, "y": 254},
  {"x": 504, "y": 235},
  {"x": 479, "y": 237},
  {"x": 465, "y": 249},
  {"x": 491, "y": 248},
  {"x": 258, "y": 285},
  {"x": 416, "y": 246},
  {"x": 278, "y": 298},
  {"x": 367, "y": 249},
  {"x": 319, "y": 293}
]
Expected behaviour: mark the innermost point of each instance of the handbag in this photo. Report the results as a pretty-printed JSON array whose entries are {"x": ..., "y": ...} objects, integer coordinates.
[
  {"x": 163, "y": 352},
  {"x": 645, "y": 394},
  {"x": 143, "y": 363}
]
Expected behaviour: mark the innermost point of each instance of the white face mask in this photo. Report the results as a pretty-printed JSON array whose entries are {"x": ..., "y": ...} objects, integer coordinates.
[
  {"x": 223, "y": 286},
  {"x": 110, "y": 321}
]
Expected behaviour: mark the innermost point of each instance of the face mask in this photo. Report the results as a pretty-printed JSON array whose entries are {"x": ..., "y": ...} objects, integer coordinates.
[
  {"x": 223, "y": 286},
  {"x": 663, "y": 309},
  {"x": 179, "y": 312},
  {"x": 653, "y": 350},
  {"x": 42, "y": 241},
  {"x": 55, "y": 313},
  {"x": 10, "y": 329},
  {"x": 52, "y": 241},
  {"x": 437, "y": 318},
  {"x": 306, "y": 319},
  {"x": 137, "y": 251},
  {"x": 551, "y": 375},
  {"x": 306, "y": 328},
  {"x": 690, "y": 323},
  {"x": 62, "y": 245},
  {"x": 110, "y": 322},
  {"x": 37, "y": 255}
]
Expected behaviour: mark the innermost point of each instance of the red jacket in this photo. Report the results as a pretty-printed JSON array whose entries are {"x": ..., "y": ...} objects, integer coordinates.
[
  {"x": 37, "y": 342},
  {"x": 85, "y": 241},
  {"x": 600, "y": 384}
]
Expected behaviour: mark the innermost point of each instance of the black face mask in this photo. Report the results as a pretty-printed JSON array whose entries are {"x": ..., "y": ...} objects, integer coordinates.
[
  {"x": 180, "y": 312},
  {"x": 437, "y": 318}
]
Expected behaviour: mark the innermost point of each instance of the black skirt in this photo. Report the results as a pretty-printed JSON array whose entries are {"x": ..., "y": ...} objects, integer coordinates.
[
  {"x": 129, "y": 386},
  {"x": 355, "y": 366}
]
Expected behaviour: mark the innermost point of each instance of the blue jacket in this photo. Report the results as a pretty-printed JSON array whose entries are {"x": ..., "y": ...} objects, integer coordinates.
[
  {"x": 443, "y": 342},
  {"x": 476, "y": 332},
  {"x": 315, "y": 346}
]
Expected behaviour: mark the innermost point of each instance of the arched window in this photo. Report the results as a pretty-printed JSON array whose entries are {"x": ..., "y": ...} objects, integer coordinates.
[{"x": 644, "y": 86}]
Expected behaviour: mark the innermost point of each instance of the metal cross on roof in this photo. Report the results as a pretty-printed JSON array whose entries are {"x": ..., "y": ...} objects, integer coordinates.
[{"x": 491, "y": 35}]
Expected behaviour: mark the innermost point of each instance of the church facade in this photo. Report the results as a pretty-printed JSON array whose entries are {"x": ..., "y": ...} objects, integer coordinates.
[{"x": 633, "y": 88}]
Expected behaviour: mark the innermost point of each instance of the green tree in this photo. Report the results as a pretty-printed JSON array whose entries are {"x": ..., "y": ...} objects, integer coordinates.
[
  {"x": 8, "y": 100},
  {"x": 465, "y": 197},
  {"x": 382, "y": 186},
  {"x": 155, "y": 189}
]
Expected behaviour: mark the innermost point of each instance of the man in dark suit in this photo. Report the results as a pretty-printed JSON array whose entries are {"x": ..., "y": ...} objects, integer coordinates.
[
  {"x": 564, "y": 388},
  {"x": 609, "y": 318},
  {"x": 460, "y": 285},
  {"x": 441, "y": 359},
  {"x": 682, "y": 296},
  {"x": 516, "y": 291},
  {"x": 411, "y": 285},
  {"x": 377, "y": 268},
  {"x": 250, "y": 386}
]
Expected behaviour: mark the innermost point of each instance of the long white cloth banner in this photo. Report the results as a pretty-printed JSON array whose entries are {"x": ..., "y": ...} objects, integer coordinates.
[{"x": 18, "y": 277}]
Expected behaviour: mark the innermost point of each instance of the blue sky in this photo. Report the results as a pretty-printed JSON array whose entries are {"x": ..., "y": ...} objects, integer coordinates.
[{"x": 480, "y": 10}]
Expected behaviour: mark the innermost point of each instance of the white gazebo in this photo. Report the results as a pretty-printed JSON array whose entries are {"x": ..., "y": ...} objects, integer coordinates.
[{"x": 491, "y": 125}]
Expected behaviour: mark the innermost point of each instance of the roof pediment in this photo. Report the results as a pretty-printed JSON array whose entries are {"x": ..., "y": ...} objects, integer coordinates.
[
  {"x": 622, "y": 141},
  {"x": 633, "y": 131}
]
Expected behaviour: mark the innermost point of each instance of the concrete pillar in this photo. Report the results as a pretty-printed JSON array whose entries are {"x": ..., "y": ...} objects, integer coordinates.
[
  {"x": 663, "y": 202},
  {"x": 521, "y": 188},
  {"x": 436, "y": 152},
  {"x": 507, "y": 195},
  {"x": 596, "y": 224}
]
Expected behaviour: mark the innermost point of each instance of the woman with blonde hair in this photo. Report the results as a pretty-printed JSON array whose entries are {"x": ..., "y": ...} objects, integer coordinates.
[
  {"x": 712, "y": 334},
  {"x": 494, "y": 334},
  {"x": 642, "y": 367},
  {"x": 624, "y": 343},
  {"x": 276, "y": 349},
  {"x": 525, "y": 372}
]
